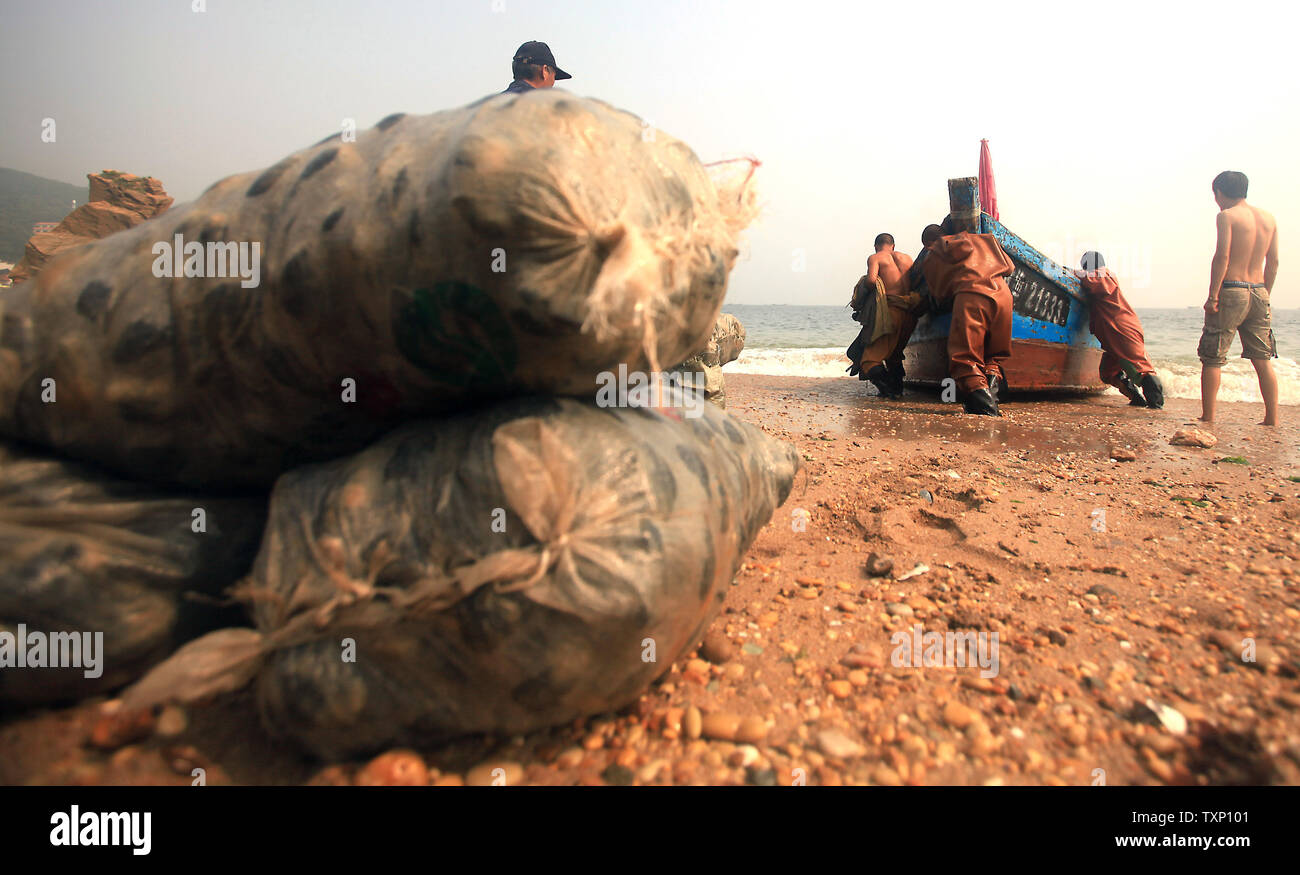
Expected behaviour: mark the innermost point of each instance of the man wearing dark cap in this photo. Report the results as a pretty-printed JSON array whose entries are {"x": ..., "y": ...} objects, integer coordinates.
[{"x": 534, "y": 67}]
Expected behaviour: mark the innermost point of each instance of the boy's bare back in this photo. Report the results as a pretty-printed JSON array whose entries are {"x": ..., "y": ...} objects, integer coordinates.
[{"x": 1252, "y": 233}]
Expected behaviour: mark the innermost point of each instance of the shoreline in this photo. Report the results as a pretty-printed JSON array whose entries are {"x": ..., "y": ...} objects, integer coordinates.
[
  {"x": 1182, "y": 379},
  {"x": 849, "y": 405}
]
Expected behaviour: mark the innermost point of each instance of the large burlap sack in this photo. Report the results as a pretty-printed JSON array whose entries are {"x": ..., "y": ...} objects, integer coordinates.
[
  {"x": 523, "y": 243},
  {"x": 86, "y": 553},
  {"x": 500, "y": 572}
]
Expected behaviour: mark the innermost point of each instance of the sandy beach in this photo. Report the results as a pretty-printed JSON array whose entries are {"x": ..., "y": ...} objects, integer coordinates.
[{"x": 1121, "y": 594}]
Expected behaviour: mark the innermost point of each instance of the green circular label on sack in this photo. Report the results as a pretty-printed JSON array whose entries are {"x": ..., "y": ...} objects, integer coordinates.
[{"x": 455, "y": 333}]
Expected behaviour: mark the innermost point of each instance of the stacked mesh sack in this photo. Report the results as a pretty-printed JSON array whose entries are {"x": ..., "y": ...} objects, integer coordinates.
[{"x": 496, "y": 567}]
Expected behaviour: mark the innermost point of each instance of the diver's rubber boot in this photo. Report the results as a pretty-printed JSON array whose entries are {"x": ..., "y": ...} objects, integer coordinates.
[
  {"x": 879, "y": 378},
  {"x": 896, "y": 375},
  {"x": 1154, "y": 391},
  {"x": 981, "y": 403},
  {"x": 1129, "y": 390}
]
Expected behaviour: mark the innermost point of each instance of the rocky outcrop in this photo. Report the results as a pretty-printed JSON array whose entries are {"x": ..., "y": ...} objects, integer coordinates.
[
  {"x": 117, "y": 201},
  {"x": 724, "y": 345},
  {"x": 726, "y": 342}
]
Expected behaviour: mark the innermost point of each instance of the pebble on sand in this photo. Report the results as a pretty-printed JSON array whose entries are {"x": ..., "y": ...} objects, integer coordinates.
[
  {"x": 886, "y": 777},
  {"x": 331, "y": 776},
  {"x": 117, "y": 727},
  {"x": 720, "y": 725},
  {"x": 1193, "y": 437},
  {"x": 570, "y": 758},
  {"x": 697, "y": 670},
  {"x": 1169, "y": 717},
  {"x": 647, "y": 773},
  {"x": 716, "y": 648},
  {"x": 835, "y": 743},
  {"x": 752, "y": 730},
  {"x": 618, "y": 775},
  {"x": 958, "y": 716},
  {"x": 878, "y": 566},
  {"x": 692, "y": 722},
  {"x": 1076, "y": 734},
  {"x": 396, "y": 768},
  {"x": 840, "y": 689}
]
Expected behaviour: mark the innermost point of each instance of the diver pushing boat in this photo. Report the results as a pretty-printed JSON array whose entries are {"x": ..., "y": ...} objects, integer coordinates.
[
  {"x": 1052, "y": 348},
  {"x": 986, "y": 310}
]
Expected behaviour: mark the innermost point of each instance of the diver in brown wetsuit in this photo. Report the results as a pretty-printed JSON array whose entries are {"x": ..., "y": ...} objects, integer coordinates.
[
  {"x": 1116, "y": 326},
  {"x": 968, "y": 269}
]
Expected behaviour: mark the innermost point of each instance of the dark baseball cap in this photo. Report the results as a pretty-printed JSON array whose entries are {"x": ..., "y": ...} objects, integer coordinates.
[{"x": 539, "y": 53}]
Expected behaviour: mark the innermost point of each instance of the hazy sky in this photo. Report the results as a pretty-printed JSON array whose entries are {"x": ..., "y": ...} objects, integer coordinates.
[{"x": 1106, "y": 123}]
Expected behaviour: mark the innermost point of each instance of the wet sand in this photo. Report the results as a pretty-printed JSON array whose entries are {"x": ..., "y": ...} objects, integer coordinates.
[{"x": 1121, "y": 594}]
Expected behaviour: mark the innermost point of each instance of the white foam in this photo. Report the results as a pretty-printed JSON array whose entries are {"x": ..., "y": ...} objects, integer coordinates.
[
  {"x": 1238, "y": 383},
  {"x": 1181, "y": 380},
  {"x": 828, "y": 361}
]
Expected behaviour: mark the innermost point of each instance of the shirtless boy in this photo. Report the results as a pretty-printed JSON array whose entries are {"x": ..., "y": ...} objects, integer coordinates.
[
  {"x": 1241, "y": 280},
  {"x": 891, "y": 267},
  {"x": 888, "y": 264}
]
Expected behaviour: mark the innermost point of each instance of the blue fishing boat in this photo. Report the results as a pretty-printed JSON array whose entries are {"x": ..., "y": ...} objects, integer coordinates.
[{"x": 1051, "y": 346}]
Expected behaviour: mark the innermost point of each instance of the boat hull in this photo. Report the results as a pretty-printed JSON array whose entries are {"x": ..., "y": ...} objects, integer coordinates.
[
  {"x": 1034, "y": 365},
  {"x": 1052, "y": 349}
]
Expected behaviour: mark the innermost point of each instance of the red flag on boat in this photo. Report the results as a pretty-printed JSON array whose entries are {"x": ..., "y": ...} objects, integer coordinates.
[{"x": 988, "y": 190}]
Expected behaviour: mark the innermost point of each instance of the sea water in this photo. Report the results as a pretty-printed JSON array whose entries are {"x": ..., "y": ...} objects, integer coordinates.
[{"x": 802, "y": 341}]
